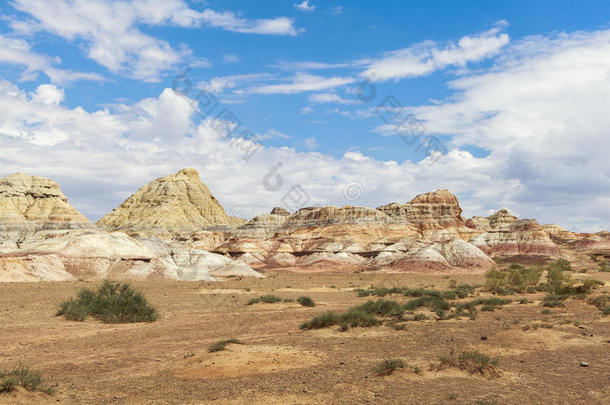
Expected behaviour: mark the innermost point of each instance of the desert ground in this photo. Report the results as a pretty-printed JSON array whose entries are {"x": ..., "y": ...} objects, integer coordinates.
[{"x": 167, "y": 361}]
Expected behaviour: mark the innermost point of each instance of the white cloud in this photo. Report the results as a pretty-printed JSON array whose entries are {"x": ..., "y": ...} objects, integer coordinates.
[
  {"x": 272, "y": 134},
  {"x": 337, "y": 10},
  {"x": 231, "y": 58},
  {"x": 537, "y": 112},
  {"x": 329, "y": 98},
  {"x": 428, "y": 56},
  {"x": 18, "y": 51},
  {"x": 302, "y": 82},
  {"x": 310, "y": 143},
  {"x": 110, "y": 30},
  {"x": 304, "y": 6}
]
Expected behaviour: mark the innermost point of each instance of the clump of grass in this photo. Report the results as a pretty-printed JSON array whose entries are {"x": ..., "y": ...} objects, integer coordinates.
[
  {"x": 222, "y": 344},
  {"x": 474, "y": 362},
  {"x": 112, "y": 302},
  {"x": 515, "y": 279},
  {"x": 22, "y": 376},
  {"x": 546, "y": 311},
  {"x": 306, "y": 302},
  {"x": 603, "y": 267},
  {"x": 265, "y": 299},
  {"x": 602, "y": 302},
  {"x": 452, "y": 396},
  {"x": 387, "y": 367}
]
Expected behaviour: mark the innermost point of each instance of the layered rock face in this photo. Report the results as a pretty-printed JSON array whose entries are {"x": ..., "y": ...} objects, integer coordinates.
[
  {"x": 174, "y": 228},
  {"x": 42, "y": 237},
  {"x": 178, "y": 203},
  {"x": 34, "y": 203},
  {"x": 359, "y": 238},
  {"x": 94, "y": 254},
  {"x": 522, "y": 238},
  {"x": 429, "y": 211},
  {"x": 30, "y": 204}
]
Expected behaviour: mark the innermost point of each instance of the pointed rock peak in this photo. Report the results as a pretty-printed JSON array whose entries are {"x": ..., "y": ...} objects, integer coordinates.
[
  {"x": 179, "y": 202},
  {"x": 502, "y": 217},
  {"x": 280, "y": 211},
  {"x": 438, "y": 196},
  {"x": 190, "y": 173},
  {"x": 31, "y": 199}
]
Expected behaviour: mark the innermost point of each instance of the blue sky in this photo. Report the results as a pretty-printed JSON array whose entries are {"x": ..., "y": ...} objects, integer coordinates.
[{"x": 89, "y": 102}]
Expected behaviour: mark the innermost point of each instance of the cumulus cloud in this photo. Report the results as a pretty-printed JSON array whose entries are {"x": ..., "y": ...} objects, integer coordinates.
[
  {"x": 18, "y": 51},
  {"x": 428, "y": 56},
  {"x": 329, "y": 98},
  {"x": 304, "y": 6},
  {"x": 537, "y": 113},
  {"x": 112, "y": 37},
  {"x": 302, "y": 82}
]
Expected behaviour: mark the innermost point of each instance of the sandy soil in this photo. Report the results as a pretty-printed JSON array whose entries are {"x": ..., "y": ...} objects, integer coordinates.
[{"x": 167, "y": 362}]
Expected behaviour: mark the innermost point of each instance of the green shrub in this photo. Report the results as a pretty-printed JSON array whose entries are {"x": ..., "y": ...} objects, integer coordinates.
[
  {"x": 603, "y": 267},
  {"x": 602, "y": 302},
  {"x": 266, "y": 299},
  {"x": 387, "y": 367},
  {"x": 473, "y": 362},
  {"x": 306, "y": 302},
  {"x": 24, "y": 377},
  {"x": 112, "y": 302},
  {"x": 222, "y": 344},
  {"x": 515, "y": 278}
]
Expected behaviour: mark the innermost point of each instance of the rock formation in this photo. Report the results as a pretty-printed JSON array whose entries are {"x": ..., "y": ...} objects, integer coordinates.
[
  {"x": 30, "y": 204},
  {"x": 174, "y": 228},
  {"x": 177, "y": 203},
  {"x": 522, "y": 238}
]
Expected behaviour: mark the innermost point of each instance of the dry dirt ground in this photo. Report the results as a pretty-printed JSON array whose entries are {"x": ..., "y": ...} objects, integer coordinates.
[{"x": 166, "y": 362}]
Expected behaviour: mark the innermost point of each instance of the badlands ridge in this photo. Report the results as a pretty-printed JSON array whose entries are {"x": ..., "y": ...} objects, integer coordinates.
[{"x": 175, "y": 228}]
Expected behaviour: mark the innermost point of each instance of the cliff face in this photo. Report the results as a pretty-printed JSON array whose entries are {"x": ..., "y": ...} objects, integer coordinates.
[
  {"x": 34, "y": 203},
  {"x": 520, "y": 238},
  {"x": 175, "y": 228},
  {"x": 430, "y": 211},
  {"x": 180, "y": 202}
]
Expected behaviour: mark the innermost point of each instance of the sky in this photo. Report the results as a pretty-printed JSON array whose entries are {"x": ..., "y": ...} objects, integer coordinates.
[{"x": 314, "y": 103}]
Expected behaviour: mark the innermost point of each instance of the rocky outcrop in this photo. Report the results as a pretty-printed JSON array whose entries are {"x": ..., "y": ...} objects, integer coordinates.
[
  {"x": 95, "y": 254},
  {"x": 179, "y": 203},
  {"x": 522, "y": 238},
  {"x": 36, "y": 203},
  {"x": 558, "y": 233},
  {"x": 31, "y": 204},
  {"x": 501, "y": 218},
  {"x": 430, "y": 211}
]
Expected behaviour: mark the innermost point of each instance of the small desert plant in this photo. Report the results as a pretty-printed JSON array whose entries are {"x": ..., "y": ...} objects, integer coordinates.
[
  {"x": 22, "y": 376},
  {"x": 306, "y": 302},
  {"x": 112, "y": 302},
  {"x": 603, "y": 267},
  {"x": 515, "y": 278},
  {"x": 222, "y": 344},
  {"x": 546, "y": 311},
  {"x": 452, "y": 396},
  {"x": 387, "y": 367},
  {"x": 473, "y": 362},
  {"x": 602, "y": 302},
  {"x": 266, "y": 299}
]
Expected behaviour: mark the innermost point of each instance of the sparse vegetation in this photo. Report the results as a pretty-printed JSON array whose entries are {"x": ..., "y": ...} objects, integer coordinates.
[
  {"x": 473, "y": 362},
  {"x": 222, "y": 344},
  {"x": 367, "y": 313},
  {"x": 265, "y": 299},
  {"x": 602, "y": 302},
  {"x": 22, "y": 376},
  {"x": 515, "y": 279},
  {"x": 112, "y": 302},
  {"x": 306, "y": 302},
  {"x": 387, "y": 367},
  {"x": 603, "y": 267}
]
